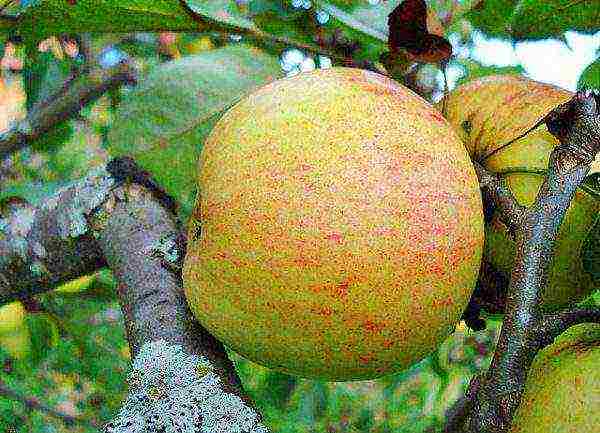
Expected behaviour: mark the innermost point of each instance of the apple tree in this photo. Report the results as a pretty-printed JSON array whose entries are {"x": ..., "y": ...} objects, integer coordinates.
[{"x": 115, "y": 114}]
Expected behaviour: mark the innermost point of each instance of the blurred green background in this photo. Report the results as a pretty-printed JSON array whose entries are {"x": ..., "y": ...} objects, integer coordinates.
[{"x": 72, "y": 355}]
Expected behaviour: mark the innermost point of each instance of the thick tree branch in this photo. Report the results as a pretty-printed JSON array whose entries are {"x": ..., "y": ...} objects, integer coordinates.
[
  {"x": 49, "y": 245},
  {"x": 120, "y": 217},
  {"x": 82, "y": 90},
  {"x": 576, "y": 124},
  {"x": 144, "y": 246}
]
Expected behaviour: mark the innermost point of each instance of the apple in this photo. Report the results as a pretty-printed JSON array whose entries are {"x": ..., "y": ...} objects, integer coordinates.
[
  {"x": 491, "y": 111},
  {"x": 14, "y": 333},
  {"x": 562, "y": 389},
  {"x": 338, "y": 227},
  {"x": 77, "y": 285}
]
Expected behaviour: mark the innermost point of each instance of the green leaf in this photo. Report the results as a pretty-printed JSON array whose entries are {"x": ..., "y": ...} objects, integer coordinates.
[
  {"x": 591, "y": 185},
  {"x": 43, "y": 18},
  {"x": 43, "y": 78},
  {"x": 492, "y": 17},
  {"x": 276, "y": 388},
  {"x": 590, "y": 77},
  {"x": 221, "y": 11},
  {"x": 165, "y": 120},
  {"x": 535, "y": 19},
  {"x": 590, "y": 252},
  {"x": 44, "y": 335},
  {"x": 371, "y": 21},
  {"x": 475, "y": 69},
  {"x": 367, "y": 24},
  {"x": 277, "y": 18}
]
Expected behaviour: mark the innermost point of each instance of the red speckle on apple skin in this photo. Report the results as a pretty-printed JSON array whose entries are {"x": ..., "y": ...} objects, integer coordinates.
[
  {"x": 434, "y": 115},
  {"x": 443, "y": 302},
  {"x": 324, "y": 311},
  {"x": 335, "y": 237},
  {"x": 366, "y": 359},
  {"x": 342, "y": 289},
  {"x": 372, "y": 326}
]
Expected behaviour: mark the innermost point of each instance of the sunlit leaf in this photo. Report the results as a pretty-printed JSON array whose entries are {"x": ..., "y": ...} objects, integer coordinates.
[
  {"x": 590, "y": 77},
  {"x": 358, "y": 19}
]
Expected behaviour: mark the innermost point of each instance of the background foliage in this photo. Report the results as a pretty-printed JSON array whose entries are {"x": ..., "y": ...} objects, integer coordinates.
[{"x": 78, "y": 357}]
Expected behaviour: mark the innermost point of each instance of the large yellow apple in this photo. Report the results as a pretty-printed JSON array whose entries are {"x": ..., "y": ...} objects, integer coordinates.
[
  {"x": 338, "y": 229},
  {"x": 562, "y": 392},
  {"x": 490, "y": 112},
  {"x": 14, "y": 333}
]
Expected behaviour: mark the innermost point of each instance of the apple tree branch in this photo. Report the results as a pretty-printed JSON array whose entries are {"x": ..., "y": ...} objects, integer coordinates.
[
  {"x": 493, "y": 397},
  {"x": 117, "y": 216}
]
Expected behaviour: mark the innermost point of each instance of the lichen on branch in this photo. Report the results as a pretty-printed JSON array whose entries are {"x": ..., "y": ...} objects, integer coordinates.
[{"x": 171, "y": 391}]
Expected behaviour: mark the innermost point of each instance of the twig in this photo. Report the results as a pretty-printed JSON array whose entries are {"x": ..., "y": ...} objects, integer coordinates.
[
  {"x": 552, "y": 325},
  {"x": 496, "y": 191},
  {"x": 80, "y": 91}
]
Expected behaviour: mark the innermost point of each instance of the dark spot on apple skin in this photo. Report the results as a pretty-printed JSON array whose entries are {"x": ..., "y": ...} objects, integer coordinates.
[{"x": 466, "y": 126}]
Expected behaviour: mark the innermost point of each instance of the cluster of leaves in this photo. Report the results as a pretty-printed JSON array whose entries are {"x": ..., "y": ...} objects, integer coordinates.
[
  {"x": 526, "y": 20},
  {"x": 533, "y": 19}
]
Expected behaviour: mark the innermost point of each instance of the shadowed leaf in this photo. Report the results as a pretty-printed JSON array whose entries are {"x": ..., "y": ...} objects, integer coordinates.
[
  {"x": 222, "y": 11},
  {"x": 408, "y": 30},
  {"x": 43, "y": 18},
  {"x": 165, "y": 120},
  {"x": 492, "y": 16},
  {"x": 535, "y": 19}
]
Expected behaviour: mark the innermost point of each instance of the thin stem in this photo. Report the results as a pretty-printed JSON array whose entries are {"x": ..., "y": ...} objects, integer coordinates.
[{"x": 504, "y": 146}]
